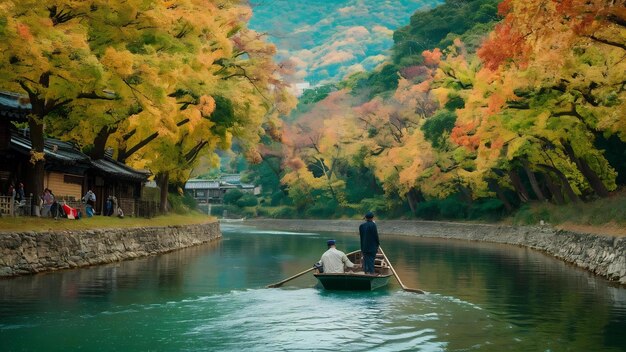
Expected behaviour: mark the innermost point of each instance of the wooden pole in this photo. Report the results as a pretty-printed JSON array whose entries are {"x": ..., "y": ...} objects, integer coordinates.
[
  {"x": 280, "y": 283},
  {"x": 408, "y": 289}
]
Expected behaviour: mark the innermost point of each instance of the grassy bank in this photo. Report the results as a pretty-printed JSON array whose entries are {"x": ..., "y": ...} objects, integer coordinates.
[
  {"x": 22, "y": 223},
  {"x": 607, "y": 215}
]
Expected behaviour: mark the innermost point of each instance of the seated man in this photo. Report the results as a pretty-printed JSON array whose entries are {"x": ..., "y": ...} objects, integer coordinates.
[{"x": 334, "y": 260}]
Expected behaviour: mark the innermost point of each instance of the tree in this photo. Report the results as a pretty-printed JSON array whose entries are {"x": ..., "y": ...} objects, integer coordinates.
[{"x": 170, "y": 83}]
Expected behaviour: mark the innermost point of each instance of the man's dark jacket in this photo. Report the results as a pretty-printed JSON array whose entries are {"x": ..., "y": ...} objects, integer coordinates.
[{"x": 369, "y": 237}]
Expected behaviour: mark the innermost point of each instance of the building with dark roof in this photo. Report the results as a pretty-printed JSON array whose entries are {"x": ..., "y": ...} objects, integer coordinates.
[
  {"x": 69, "y": 173},
  {"x": 213, "y": 191}
]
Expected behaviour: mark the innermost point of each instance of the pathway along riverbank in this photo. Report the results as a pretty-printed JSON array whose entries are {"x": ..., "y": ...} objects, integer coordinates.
[{"x": 599, "y": 254}]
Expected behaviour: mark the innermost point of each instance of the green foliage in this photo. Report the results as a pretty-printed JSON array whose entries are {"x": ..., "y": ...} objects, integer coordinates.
[
  {"x": 378, "y": 205},
  {"x": 278, "y": 198},
  {"x": 278, "y": 212},
  {"x": 452, "y": 208},
  {"x": 313, "y": 95},
  {"x": 322, "y": 210},
  {"x": 615, "y": 153},
  {"x": 438, "y": 127},
  {"x": 487, "y": 209},
  {"x": 436, "y": 28},
  {"x": 610, "y": 210},
  {"x": 232, "y": 196},
  {"x": 181, "y": 204},
  {"x": 472, "y": 38},
  {"x": 223, "y": 116},
  {"x": 428, "y": 210},
  {"x": 226, "y": 210},
  {"x": 380, "y": 81},
  {"x": 247, "y": 200}
]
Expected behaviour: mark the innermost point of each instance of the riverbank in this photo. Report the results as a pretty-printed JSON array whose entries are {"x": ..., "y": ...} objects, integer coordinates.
[
  {"x": 30, "y": 252},
  {"x": 603, "y": 255}
]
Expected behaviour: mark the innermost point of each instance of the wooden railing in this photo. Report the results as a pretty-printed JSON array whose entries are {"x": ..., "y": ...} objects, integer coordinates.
[
  {"x": 131, "y": 207},
  {"x": 10, "y": 207}
]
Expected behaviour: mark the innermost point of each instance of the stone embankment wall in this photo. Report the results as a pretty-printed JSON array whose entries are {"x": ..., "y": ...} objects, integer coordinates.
[
  {"x": 33, "y": 252},
  {"x": 602, "y": 255}
]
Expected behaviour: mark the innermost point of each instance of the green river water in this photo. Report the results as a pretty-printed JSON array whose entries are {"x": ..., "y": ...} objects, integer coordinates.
[{"x": 481, "y": 297}]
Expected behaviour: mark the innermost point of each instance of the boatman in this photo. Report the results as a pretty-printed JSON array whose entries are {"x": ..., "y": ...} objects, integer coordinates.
[
  {"x": 334, "y": 260},
  {"x": 369, "y": 242}
]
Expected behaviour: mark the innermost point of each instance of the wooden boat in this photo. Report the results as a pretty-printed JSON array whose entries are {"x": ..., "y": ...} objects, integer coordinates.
[{"x": 356, "y": 279}]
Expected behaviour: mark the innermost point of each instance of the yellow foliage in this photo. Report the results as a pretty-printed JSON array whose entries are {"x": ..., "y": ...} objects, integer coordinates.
[{"x": 121, "y": 62}]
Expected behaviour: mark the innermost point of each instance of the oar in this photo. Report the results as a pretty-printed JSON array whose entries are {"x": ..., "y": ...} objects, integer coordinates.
[
  {"x": 408, "y": 289},
  {"x": 280, "y": 283}
]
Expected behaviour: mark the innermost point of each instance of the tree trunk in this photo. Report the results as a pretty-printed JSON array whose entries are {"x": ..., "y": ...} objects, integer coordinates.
[
  {"x": 412, "y": 199},
  {"x": 466, "y": 193},
  {"x": 591, "y": 176},
  {"x": 100, "y": 142},
  {"x": 493, "y": 184},
  {"x": 573, "y": 197},
  {"x": 163, "y": 181},
  {"x": 521, "y": 191},
  {"x": 533, "y": 180},
  {"x": 557, "y": 195},
  {"x": 37, "y": 169}
]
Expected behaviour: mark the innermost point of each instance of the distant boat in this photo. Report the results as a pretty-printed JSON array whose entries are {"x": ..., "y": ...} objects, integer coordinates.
[
  {"x": 357, "y": 280},
  {"x": 232, "y": 220}
]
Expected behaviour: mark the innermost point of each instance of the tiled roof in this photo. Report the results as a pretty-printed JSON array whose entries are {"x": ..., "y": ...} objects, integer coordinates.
[
  {"x": 14, "y": 106},
  {"x": 66, "y": 153},
  {"x": 53, "y": 148},
  {"x": 202, "y": 184},
  {"x": 117, "y": 169}
]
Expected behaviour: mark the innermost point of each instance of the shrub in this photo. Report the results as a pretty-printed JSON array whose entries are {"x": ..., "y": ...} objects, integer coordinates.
[
  {"x": 489, "y": 209},
  {"x": 322, "y": 209},
  {"x": 232, "y": 196},
  {"x": 376, "y": 205},
  {"x": 284, "y": 213},
  {"x": 277, "y": 198},
  {"x": 451, "y": 208},
  {"x": 247, "y": 200},
  {"x": 177, "y": 204},
  {"x": 428, "y": 210}
]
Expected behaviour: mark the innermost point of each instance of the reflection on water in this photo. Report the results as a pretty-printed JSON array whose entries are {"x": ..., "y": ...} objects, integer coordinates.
[{"x": 483, "y": 297}]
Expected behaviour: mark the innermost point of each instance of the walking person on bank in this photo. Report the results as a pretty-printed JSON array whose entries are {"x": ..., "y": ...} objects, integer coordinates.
[{"x": 369, "y": 242}]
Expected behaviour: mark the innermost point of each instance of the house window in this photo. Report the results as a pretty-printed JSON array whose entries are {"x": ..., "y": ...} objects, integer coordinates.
[{"x": 73, "y": 179}]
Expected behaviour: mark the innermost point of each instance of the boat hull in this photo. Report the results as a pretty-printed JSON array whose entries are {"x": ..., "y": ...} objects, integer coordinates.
[{"x": 352, "y": 282}]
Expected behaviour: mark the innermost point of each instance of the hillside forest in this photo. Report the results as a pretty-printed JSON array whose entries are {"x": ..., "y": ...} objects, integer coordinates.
[{"x": 483, "y": 108}]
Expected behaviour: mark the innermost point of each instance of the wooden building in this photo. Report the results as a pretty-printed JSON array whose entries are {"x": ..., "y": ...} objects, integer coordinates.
[{"x": 213, "y": 191}]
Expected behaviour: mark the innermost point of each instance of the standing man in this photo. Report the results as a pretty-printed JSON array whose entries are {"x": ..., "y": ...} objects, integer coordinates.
[
  {"x": 369, "y": 242},
  {"x": 334, "y": 260}
]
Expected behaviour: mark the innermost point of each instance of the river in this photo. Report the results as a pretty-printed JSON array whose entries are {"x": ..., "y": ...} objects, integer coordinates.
[{"x": 481, "y": 297}]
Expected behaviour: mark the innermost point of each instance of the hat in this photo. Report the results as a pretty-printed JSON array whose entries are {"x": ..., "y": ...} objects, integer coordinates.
[
  {"x": 330, "y": 243},
  {"x": 369, "y": 215}
]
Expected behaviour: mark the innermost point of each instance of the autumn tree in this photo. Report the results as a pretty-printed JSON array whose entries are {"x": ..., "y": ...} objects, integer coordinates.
[{"x": 169, "y": 81}]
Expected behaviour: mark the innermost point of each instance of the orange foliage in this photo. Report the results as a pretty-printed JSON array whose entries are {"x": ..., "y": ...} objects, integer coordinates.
[
  {"x": 24, "y": 32},
  {"x": 465, "y": 135},
  {"x": 504, "y": 44},
  {"x": 432, "y": 58}
]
